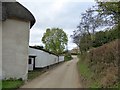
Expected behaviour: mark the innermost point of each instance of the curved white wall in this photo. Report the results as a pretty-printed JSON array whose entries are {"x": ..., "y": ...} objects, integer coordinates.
[
  {"x": 15, "y": 41},
  {"x": 43, "y": 58},
  {"x": 61, "y": 58},
  {"x": 0, "y": 50}
]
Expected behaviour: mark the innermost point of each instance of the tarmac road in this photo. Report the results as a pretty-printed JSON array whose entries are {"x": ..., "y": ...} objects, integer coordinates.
[{"x": 62, "y": 76}]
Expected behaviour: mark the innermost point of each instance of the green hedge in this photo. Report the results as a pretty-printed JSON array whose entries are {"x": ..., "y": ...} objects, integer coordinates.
[
  {"x": 68, "y": 57},
  {"x": 100, "y": 65}
]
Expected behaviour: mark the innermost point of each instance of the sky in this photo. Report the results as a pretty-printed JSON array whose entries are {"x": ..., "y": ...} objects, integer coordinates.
[{"x": 63, "y": 14}]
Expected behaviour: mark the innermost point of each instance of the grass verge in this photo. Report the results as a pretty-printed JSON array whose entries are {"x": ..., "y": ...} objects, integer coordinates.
[
  {"x": 0, "y": 84},
  {"x": 34, "y": 74},
  {"x": 86, "y": 74},
  {"x": 15, "y": 84},
  {"x": 11, "y": 84},
  {"x": 84, "y": 70}
]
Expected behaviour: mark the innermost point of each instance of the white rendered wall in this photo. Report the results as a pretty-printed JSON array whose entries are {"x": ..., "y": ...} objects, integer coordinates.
[
  {"x": 43, "y": 58},
  {"x": 0, "y": 55},
  {"x": 30, "y": 66},
  {"x": 52, "y": 59},
  {"x": 61, "y": 58},
  {"x": 0, "y": 50},
  {"x": 15, "y": 48}
]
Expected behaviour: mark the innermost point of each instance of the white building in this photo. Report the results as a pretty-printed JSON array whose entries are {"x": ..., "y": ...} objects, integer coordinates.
[
  {"x": 16, "y": 23},
  {"x": 40, "y": 58},
  {"x": 61, "y": 58}
]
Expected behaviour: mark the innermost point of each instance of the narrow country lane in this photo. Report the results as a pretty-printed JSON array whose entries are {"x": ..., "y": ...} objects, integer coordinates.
[{"x": 63, "y": 76}]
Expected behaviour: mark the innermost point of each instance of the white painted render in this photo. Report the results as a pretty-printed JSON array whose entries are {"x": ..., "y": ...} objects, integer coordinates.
[
  {"x": 30, "y": 66},
  {"x": 0, "y": 50},
  {"x": 15, "y": 42},
  {"x": 61, "y": 58},
  {"x": 43, "y": 58},
  {"x": 53, "y": 59}
]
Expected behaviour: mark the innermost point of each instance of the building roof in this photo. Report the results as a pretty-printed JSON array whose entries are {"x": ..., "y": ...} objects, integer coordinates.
[
  {"x": 14, "y": 10},
  {"x": 43, "y": 50}
]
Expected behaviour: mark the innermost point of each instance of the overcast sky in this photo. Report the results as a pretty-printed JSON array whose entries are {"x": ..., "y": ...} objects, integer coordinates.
[{"x": 63, "y": 14}]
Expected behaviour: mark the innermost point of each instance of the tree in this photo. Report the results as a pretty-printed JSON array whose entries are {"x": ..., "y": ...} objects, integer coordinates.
[
  {"x": 111, "y": 9},
  {"x": 104, "y": 14},
  {"x": 84, "y": 35},
  {"x": 91, "y": 20},
  {"x": 55, "y": 40}
]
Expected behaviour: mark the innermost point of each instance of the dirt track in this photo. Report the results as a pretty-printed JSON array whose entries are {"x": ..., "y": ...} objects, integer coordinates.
[{"x": 62, "y": 76}]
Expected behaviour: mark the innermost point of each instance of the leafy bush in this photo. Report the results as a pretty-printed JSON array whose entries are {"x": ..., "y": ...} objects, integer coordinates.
[
  {"x": 107, "y": 36},
  {"x": 68, "y": 57}
]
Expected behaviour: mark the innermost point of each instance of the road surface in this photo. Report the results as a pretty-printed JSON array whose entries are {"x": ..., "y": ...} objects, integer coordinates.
[{"x": 62, "y": 76}]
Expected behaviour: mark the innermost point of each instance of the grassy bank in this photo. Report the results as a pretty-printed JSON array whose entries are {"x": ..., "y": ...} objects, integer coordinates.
[{"x": 99, "y": 66}]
